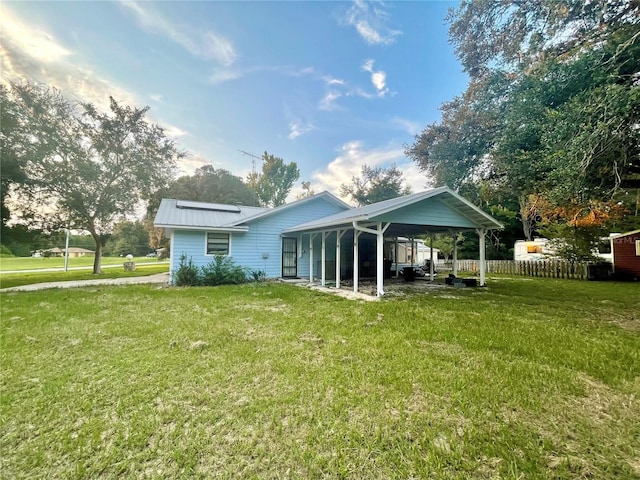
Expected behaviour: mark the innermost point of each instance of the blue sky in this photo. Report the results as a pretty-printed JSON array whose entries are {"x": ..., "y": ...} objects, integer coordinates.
[{"x": 329, "y": 85}]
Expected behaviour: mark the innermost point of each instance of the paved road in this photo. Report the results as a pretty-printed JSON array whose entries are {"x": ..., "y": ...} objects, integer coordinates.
[{"x": 159, "y": 278}]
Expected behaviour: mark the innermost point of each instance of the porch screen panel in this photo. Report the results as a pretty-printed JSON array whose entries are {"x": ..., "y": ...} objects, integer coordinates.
[{"x": 289, "y": 257}]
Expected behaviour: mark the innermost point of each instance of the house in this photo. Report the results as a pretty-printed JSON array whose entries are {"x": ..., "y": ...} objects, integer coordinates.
[
  {"x": 625, "y": 255},
  {"x": 318, "y": 237},
  {"x": 74, "y": 252}
]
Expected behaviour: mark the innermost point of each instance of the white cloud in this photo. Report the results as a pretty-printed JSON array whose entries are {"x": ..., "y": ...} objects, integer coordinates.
[
  {"x": 205, "y": 44},
  {"x": 34, "y": 43},
  {"x": 370, "y": 22},
  {"x": 352, "y": 156},
  {"x": 55, "y": 65},
  {"x": 413, "y": 128},
  {"x": 296, "y": 129},
  {"x": 333, "y": 81},
  {"x": 328, "y": 102},
  {"x": 225, "y": 75},
  {"x": 378, "y": 78}
]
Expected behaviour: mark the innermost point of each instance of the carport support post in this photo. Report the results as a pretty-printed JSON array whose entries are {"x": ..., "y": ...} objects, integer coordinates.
[
  {"x": 356, "y": 260},
  {"x": 312, "y": 236},
  {"x": 339, "y": 234},
  {"x": 380, "y": 260},
  {"x": 323, "y": 267},
  {"x": 483, "y": 264},
  {"x": 455, "y": 254},
  {"x": 431, "y": 269}
]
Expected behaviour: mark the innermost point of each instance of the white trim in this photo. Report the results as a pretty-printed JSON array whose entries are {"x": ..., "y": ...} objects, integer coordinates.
[{"x": 206, "y": 241}]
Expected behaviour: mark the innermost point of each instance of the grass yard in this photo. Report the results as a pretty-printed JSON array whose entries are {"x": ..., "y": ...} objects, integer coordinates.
[
  {"x": 32, "y": 263},
  {"x": 27, "y": 278},
  {"x": 524, "y": 379}
]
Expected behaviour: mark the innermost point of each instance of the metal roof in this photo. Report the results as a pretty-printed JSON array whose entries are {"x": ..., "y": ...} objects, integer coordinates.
[
  {"x": 215, "y": 216},
  {"x": 371, "y": 212},
  {"x": 179, "y": 214}
]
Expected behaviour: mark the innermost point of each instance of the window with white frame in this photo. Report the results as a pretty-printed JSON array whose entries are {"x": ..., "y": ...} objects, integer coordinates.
[
  {"x": 217, "y": 243},
  {"x": 638, "y": 248}
]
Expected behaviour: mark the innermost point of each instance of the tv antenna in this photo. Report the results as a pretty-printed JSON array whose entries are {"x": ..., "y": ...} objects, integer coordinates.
[{"x": 253, "y": 161}]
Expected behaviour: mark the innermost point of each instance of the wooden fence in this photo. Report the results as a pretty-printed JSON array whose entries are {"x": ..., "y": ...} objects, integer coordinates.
[{"x": 544, "y": 268}]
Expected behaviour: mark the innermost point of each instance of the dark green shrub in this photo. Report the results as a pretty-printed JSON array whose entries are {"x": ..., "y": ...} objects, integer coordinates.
[
  {"x": 187, "y": 274},
  {"x": 257, "y": 275},
  {"x": 222, "y": 271},
  {"x": 5, "y": 252}
]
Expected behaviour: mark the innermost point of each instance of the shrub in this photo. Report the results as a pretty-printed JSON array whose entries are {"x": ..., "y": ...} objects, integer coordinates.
[
  {"x": 222, "y": 271},
  {"x": 187, "y": 274},
  {"x": 257, "y": 275},
  {"x": 5, "y": 252}
]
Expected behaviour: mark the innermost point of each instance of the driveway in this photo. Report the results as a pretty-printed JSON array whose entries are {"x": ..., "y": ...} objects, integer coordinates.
[{"x": 158, "y": 278}]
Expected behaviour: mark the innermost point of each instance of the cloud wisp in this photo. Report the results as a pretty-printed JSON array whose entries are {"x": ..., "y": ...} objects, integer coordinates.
[
  {"x": 378, "y": 78},
  {"x": 205, "y": 44},
  {"x": 297, "y": 129},
  {"x": 371, "y": 22}
]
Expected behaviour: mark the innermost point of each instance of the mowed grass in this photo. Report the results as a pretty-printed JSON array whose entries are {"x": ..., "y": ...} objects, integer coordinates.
[
  {"x": 8, "y": 280},
  {"x": 33, "y": 263},
  {"x": 523, "y": 379}
]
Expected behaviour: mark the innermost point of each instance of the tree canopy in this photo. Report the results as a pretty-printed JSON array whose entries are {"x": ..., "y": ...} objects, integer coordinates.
[
  {"x": 550, "y": 116},
  {"x": 375, "y": 185},
  {"x": 274, "y": 182},
  {"x": 85, "y": 168}
]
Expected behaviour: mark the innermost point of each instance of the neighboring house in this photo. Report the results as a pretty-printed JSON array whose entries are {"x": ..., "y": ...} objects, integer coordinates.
[
  {"x": 316, "y": 237},
  {"x": 74, "y": 252},
  {"x": 625, "y": 253}
]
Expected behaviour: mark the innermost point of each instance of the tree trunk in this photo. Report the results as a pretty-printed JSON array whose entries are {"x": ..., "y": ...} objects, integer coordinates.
[{"x": 98, "y": 256}]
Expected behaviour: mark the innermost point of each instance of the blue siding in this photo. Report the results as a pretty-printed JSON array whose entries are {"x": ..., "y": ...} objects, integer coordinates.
[
  {"x": 428, "y": 212},
  {"x": 263, "y": 239}
]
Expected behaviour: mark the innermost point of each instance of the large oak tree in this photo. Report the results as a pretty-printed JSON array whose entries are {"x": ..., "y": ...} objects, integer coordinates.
[{"x": 86, "y": 169}]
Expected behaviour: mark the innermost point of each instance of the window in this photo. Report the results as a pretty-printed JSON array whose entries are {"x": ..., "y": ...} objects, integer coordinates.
[
  {"x": 217, "y": 244},
  {"x": 638, "y": 248}
]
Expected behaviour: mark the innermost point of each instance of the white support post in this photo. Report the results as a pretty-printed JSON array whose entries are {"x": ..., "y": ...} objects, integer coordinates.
[
  {"x": 356, "y": 260},
  {"x": 483, "y": 264},
  {"x": 455, "y": 254},
  {"x": 339, "y": 234},
  {"x": 431, "y": 267},
  {"x": 395, "y": 257},
  {"x": 380, "y": 261},
  {"x": 323, "y": 267},
  {"x": 312, "y": 236}
]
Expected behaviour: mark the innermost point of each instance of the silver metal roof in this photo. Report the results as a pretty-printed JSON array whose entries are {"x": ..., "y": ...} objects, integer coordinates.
[
  {"x": 215, "y": 216},
  {"x": 179, "y": 214},
  {"x": 371, "y": 212}
]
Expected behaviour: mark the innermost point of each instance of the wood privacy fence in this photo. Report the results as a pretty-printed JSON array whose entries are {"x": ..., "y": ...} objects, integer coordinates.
[{"x": 544, "y": 268}]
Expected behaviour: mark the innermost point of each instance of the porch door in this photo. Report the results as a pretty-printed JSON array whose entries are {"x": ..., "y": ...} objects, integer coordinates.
[{"x": 289, "y": 257}]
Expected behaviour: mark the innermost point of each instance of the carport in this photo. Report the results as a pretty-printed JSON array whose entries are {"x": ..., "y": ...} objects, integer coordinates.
[{"x": 438, "y": 210}]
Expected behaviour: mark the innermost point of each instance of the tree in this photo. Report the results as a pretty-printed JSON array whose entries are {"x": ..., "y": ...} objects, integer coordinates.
[
  {"x": 127, "y": 238},
  {"x": 274, "y": 183},
  {"x": 552, "y": 108},
  {"x": 307, "y": 191},
  {"x": 207, "y": 184},
  {"x": 375, "y": 185},
  {"x": 91, "y": 167}
]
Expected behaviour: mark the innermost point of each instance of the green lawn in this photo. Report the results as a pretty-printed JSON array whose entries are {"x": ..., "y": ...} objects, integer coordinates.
[
  {"x": 27, "y": 278},
  {"x": 32, "y": 263},
  {"x": 523, "y": 379}
]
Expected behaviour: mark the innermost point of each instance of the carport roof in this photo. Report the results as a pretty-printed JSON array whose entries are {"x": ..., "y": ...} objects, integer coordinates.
[{"x": 372, "y": 212}]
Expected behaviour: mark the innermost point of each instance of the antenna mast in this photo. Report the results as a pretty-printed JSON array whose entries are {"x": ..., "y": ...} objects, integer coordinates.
[{"x": 253, "y": 161}]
